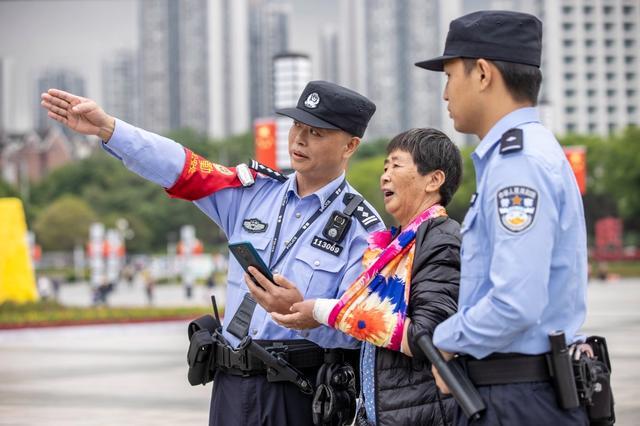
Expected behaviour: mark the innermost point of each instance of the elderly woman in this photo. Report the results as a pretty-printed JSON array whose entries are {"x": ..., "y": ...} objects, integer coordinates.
[{"x": 409, "y": 285}]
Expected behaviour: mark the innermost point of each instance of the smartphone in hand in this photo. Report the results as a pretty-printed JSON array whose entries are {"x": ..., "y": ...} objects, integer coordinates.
[{"x": 246, "y": 255}]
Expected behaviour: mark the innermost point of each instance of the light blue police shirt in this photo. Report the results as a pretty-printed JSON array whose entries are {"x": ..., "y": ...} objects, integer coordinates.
[
  {"x": 524, "y": 248},
  {"x": 316, "y": 272}
]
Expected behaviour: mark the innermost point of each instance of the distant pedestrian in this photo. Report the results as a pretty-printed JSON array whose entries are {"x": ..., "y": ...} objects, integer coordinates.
[
  {"x": 211, "y": 281},
  {"x": 149, "y": 285},
  {"x": 45, "y": 287}
]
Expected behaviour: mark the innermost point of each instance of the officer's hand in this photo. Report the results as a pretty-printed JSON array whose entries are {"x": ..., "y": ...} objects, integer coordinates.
[
  {"x": 436, "y": 375},
  {"x": 300, "y": 318},
  {"x": 278, "y": 297},
  {"x": 79, "y": 114}
]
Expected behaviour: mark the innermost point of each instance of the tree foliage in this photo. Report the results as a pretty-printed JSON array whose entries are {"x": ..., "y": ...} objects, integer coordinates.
[
  {"x": 104, "y": 190},
  {"x": 6, "y": 190},
  {"x": 64, "y": 223}
]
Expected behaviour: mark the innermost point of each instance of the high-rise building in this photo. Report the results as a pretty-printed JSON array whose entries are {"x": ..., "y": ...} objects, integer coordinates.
[
  {"x": 397, "y": 35},
  {"x": 353, "y": 53},
  {"x": 329, "y": 69},
  {"x": 593, "y": 64},
  {"x": 291, "y": 74},
  {"x": 63, "y": 79},
  {"x": 268, "y": 37},
  {"x": 590, "y": 62},
  {"x": 6, "y": 96},
  {"x": 120, "y": 86},
  {"x": 174, "y": 76},
  {"x": 228, "y": 68}
]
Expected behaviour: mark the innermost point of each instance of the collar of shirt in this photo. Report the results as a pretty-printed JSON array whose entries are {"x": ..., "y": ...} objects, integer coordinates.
[
  {"x": 513, "y": 119},
  {"x": 321, "y": 194}
]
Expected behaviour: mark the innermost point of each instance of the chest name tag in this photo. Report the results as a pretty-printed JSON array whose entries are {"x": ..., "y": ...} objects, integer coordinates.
[{"x": 327, "y": 246}]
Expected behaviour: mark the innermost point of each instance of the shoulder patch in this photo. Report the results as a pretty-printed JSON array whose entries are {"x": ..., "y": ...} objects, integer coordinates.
[
  {"x": 363, "y": 213},
  {"x": 517, "y": 206},
  {"x": 511, "y": 141},
  {"x": 267, "y": 171}
]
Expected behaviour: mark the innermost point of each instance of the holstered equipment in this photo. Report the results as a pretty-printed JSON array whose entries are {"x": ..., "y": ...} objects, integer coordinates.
[
  {"x": 334, "y": 401},
  {"x": 278, "y": 360},
  {"x": 204, "y": 335},
  {"x": 593, "y": 382},
  {"x": 561, "y": 368},
  {"x": 577, "y": 380}
]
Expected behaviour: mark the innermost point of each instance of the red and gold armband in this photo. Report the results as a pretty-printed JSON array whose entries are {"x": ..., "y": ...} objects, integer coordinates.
[{"x": 201, "y": 177}]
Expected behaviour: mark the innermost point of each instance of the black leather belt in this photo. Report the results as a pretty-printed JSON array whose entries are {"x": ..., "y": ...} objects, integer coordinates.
[
  {"x": 501, "y": 369},
  {"x": 301, "y": 354}
]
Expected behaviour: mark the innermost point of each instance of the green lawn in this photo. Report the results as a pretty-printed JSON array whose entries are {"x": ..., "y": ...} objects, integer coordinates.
[
  {"x": 624, "y": 269},
  {"x": 50, "y": 313}
]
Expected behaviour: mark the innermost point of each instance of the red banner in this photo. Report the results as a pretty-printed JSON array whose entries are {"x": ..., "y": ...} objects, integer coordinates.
[
  {"x": 577, "y": 156},
  {"x": 265, "y": 142}
]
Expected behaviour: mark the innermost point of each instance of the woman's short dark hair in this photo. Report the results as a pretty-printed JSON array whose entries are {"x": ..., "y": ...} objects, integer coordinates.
[
  {"x": 523, "y": 81},
  {"x": 432, "y": 150}
]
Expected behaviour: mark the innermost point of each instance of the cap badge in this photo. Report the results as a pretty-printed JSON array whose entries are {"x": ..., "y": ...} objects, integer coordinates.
[{"x": 312, "y": 100}]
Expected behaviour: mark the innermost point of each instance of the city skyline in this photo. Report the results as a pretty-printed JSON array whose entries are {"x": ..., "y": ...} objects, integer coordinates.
[
  {"x": 81, "y": 36},
  {"x": 208, "y": 65}
]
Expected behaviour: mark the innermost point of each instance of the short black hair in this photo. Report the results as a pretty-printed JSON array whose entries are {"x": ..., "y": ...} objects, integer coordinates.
[
  {"x": 522, "y": 81},
  {"x": 432, "y": 150}
]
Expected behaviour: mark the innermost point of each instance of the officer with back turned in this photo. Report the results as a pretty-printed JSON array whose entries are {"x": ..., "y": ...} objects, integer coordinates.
[
  {"x": 289, "y": 220},
  {"x": 524, "y": 252}
]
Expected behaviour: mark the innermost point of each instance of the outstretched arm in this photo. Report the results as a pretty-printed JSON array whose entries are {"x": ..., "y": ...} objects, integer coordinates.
[{"x": 79, "y": 114}]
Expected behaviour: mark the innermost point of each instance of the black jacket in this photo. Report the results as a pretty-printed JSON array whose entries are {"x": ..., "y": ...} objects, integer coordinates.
[{"x": 405, "y": 390}]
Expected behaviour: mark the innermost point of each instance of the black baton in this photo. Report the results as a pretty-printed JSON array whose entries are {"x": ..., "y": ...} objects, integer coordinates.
[{"x": 456, "y": 380}]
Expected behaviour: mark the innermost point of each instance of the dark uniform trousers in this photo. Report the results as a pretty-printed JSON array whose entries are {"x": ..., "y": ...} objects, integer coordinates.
[
  {"x": 252, "y": 400},
  {"x": 523, "y": 404}
]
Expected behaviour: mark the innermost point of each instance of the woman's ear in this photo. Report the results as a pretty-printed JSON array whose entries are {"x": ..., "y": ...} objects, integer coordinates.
[{"x": 435, "y": 180}]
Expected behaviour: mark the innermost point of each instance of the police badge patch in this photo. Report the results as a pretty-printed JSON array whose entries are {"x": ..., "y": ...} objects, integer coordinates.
[
  {"x": 517, "y": 206},
  {"x": 254, "y": 225},
  {"x": 312, "y": 100}
]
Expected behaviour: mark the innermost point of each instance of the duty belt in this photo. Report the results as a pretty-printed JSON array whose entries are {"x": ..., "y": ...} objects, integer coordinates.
[
  {"x": 300, "y": 354},
  {"x": 500, "y": 369}
]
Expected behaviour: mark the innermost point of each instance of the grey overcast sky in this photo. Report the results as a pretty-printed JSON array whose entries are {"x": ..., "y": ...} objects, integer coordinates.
[{"x": 79, "y": 34}]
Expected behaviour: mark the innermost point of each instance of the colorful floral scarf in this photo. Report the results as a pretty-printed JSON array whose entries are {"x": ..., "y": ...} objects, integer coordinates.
[{"x": 374, "y": 307}]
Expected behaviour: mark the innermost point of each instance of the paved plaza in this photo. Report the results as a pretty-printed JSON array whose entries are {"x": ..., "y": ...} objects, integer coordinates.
[{"x": 136, "y": 374}]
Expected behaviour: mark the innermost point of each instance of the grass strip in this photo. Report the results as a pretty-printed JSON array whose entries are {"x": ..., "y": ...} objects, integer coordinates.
[{"x": 15, "y": 315}]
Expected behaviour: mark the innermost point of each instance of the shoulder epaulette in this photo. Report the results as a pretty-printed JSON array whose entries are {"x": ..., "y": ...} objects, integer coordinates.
[
  {"x": 362, "y": 212},
  {"x": 511, "y": 141},
  {"x": 267, "y": 171}
]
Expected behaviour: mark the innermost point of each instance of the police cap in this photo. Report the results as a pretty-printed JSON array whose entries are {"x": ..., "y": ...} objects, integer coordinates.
[
  {"x": 328, "y": 106},
  {"x": 492, "y": 34}
]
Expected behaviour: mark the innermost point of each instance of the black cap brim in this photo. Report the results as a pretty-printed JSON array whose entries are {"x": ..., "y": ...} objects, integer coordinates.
[
  {"x": 435, "y": 64},
  {"x": 306, "y": 118}
]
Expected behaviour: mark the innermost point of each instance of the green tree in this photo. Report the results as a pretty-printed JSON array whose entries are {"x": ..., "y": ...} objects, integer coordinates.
[
  {"x": 7, "y": 190},
  {"x": 459, "y": 205},
  {"x": 64, "y": 224}
]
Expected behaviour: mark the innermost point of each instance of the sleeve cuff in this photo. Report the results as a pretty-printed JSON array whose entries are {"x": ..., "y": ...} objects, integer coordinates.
[
  {"x": 118, "y": 144},
  {"x": 322, "y": 308}
]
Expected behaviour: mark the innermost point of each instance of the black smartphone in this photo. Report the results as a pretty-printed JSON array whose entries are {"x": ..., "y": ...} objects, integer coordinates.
[{"x": 246, "y": 255}]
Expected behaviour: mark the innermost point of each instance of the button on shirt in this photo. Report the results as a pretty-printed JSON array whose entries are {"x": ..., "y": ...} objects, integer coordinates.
[
  {"x": 317, "y": 273},
  {"x": 517, "y": 287}
]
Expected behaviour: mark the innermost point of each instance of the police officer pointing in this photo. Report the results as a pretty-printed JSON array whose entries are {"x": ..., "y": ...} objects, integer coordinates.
[
  {"x": 524, "y": 254},
  {"x": 283, "y": 217}
]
